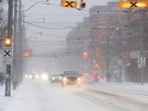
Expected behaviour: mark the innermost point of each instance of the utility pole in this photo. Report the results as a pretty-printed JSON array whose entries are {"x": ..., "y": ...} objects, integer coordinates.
[
  {"x": 141, "y": 49},
  {"x": 107, "y": 57},
  {"x": 120, "y": 57},
  {"x": 14, "y": 78},
  {"x": 9, "y": 35},
  {"x": 19, "y": 45}
]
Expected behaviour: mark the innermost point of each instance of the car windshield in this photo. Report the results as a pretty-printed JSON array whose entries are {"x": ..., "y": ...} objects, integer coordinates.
[
  {"x": 56, "y": 75},
  {"x": 71, "y": 73}
]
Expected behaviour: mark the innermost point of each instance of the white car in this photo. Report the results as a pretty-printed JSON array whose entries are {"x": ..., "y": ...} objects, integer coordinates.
[
  {"x": 88, "y": 78},
  {"x": 55, "y": 78}
]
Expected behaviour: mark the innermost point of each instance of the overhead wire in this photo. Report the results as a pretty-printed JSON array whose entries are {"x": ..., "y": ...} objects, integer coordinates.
[
  {"x": 61, "y": 27},
  {"x": 48, "y": 27}
]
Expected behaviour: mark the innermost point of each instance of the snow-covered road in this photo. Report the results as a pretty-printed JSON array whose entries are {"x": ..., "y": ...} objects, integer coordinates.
[{"x": 43, "y": 96}]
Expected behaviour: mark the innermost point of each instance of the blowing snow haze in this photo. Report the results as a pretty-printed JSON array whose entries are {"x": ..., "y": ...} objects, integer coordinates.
[{"x": 73, "y": 55}]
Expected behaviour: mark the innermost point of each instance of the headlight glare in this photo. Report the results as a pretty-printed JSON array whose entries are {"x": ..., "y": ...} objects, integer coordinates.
[
  {"x": 30, "y": 76},
  {"x": 44, "y": 77},
  {"x": 64, "y": 79},
  {"x": 78, "y": 79},
  {"x": 36, "y": 76}
]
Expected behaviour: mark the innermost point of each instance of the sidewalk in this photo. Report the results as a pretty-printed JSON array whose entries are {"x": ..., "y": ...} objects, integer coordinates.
[
  {"x": 4, "y": 100},
  {"x": 127, "y": 85}
]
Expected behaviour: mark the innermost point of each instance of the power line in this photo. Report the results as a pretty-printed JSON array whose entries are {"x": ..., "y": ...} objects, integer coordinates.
[{"x": 48, "y": 27}]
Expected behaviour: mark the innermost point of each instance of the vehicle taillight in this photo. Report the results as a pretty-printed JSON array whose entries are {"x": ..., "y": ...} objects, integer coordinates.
[{"x": 98, "y": 77}]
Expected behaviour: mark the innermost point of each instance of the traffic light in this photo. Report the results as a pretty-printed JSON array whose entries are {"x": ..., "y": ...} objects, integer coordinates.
[
  {"x": 85, "y": 55},
  {"x": 96, "y": 65},
  {"x": 133, "y": 4},
  {"x": 82, "y": 5},
  {"x": 30, "y": 52},
  {"x": 7, "y": 42},
  {"x": 26, "y": 54},
  {"x": 97, "y": 52}
]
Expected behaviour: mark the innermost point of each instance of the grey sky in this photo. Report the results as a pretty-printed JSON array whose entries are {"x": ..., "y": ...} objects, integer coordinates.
[{"x": 55, "y": 17}]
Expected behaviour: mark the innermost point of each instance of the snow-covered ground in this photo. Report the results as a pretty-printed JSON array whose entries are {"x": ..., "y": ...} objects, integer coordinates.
[{"x": 43, "y": 96}]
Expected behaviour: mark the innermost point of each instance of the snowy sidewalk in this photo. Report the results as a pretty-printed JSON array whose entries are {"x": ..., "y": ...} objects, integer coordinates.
[
  {"x": 127, "y": 85},
  {"x": 4, "y": 100}
]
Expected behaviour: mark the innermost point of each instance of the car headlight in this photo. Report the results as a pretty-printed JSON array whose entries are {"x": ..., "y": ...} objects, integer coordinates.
[
  {"x": 44, "y": 77},
  {"x": 64, "y": 79},
  {"x": 78, "y": 78},
  {"x": 26, "y": 76},
  {"x": 30, "y": 76},
  {"x": 36, "y": 76},
  {"x": 53, "y": 78}
]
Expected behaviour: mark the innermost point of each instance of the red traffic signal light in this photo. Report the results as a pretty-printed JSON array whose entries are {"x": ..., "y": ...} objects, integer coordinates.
[
  {"x": 7, "y": 42},
  {"x": 96, "y": 65},
  {"x": 26, "y": 54},
  {"x": 85, "y": 55}
]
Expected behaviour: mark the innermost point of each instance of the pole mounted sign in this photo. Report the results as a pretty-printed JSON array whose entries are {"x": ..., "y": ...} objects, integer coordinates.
[
  {"x": 69, "y": 4},
  {"x": 7, "y": 52},
  {"x": 133, "y": 4},
  {"x": 7, "y": 55}
]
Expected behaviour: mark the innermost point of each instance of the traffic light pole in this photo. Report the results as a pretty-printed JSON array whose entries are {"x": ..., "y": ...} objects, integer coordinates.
[
  {"x": 9, "y": 34},
  {"x": 107, "y": 57}
]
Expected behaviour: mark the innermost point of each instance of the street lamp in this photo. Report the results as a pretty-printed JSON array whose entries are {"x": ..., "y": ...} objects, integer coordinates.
[
  {"x": 44, "y": 2},
  {"x": 32, "y": 35},
  {"x": 120, "y": 56}
]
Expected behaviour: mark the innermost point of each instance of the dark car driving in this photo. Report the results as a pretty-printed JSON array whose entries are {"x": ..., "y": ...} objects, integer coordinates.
[{"x": 71, "y": 78}]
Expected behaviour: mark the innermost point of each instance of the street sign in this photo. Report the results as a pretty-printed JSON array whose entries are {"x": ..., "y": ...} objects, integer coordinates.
[
  {"x": 69, "y": 4},
  {"x": 133, "y": 4},
  {"x": 7, "y": 52},
  {"x": 141, "y": 62},
  {"x": 7, "y": 60},
  {"x": 134, "y": 54}
]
